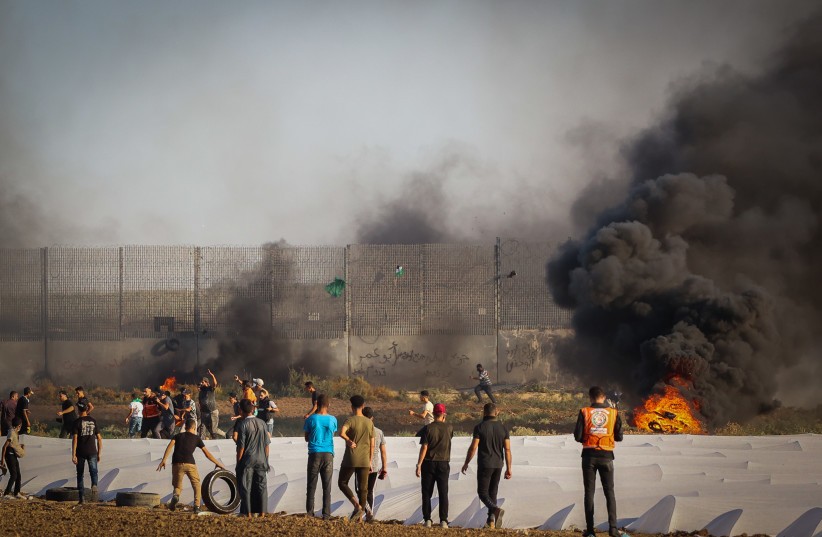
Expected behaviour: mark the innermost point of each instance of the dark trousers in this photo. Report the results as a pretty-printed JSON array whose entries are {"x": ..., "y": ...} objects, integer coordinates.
[
  {"x": 362, "y": 484},
  {"x": 92, "y": 470},
  {"x": 487, "y": 389},
  {"x": 252, "y": 482},
  {"x": 372, "y": 482},
  {"x": 431, "y": 473},
  {"x": 210, "y": 424},
  {"x": 605, "y": 467},
  {"x": 487, "y": 487},
  {"x": 151, "y": 425},
  {"x": 13, "y": 466},
  {"x": 66, "y": 429},
  {"x": 319, "y": 465}
]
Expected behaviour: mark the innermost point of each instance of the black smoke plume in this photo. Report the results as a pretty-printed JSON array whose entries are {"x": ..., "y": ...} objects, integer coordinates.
[
  {"x": 250, "y": 346},
  {"x": 709, "y": 268}
]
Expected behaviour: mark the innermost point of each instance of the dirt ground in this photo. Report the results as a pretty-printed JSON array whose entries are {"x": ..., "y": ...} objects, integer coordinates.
[{"x": 35, "y": 517}]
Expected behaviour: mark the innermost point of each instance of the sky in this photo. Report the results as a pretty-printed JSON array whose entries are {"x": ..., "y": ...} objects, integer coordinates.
[{"x": 197, "y": 122}]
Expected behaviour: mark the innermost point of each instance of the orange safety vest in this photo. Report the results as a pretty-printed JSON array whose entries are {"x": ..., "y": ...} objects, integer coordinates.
[{"x": 599, "y": 428}]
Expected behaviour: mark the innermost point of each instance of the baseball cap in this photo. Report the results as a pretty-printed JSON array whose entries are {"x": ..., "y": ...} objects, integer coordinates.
[
  {"x": 258, "y": 382},
  {"x": 185, "y": 391},
  {"x": 439, "y": 408}
]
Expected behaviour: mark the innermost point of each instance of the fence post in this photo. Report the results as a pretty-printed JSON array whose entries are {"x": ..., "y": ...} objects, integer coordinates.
[
  {"x": 346, "y": 277},
  {"x": 120, "y": 288},
  {"x": 44, "y": 307},
  {"x": 497, "y": 303},
  {"x": 197, "y": 255}
]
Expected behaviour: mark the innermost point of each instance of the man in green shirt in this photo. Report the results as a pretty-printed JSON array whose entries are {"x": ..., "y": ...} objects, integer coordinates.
[
  {"x": 358, "y": 433},
  {"x": 434, "y": 464}
]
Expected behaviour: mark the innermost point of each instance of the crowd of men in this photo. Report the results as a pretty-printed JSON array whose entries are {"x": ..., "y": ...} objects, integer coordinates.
[{"x": 365, "y": 456}]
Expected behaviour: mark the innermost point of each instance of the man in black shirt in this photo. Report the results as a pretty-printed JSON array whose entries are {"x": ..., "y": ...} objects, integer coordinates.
[
  {"x": 80, "y": 392},
  {"x": 598, "y": 427},
  {"x": 434, "y": 466},
  {"x": 209, "y": 415},
  {"x": 86, "y": 446},
  {"x": 23, "y": 410},
  {"x": 309, "y": 387},
  {"x": 66, "y": 415},
  {"x": 491, "y": 440},
  {"x": 183, "y": 464}
]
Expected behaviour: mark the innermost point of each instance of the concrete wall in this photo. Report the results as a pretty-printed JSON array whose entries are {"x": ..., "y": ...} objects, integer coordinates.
[{"x": 403, "y": 362}]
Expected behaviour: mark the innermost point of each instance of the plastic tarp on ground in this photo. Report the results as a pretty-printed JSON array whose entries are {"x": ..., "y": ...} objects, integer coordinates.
[{"x": 729, "y": 485}]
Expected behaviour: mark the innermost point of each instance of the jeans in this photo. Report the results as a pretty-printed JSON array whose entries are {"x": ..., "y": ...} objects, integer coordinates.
[
  {"x": 487, "y": 390},
  {"x": 135, "y": 425},
  {"x": 252, "y": 482},
  {"x": 181, "y": 470},
  {"x": 269, "y": 426},
  {"x": 487, "y": 487},
  {"x": 319, "y": 465},
  {"x": 431, "y": 473},
  {"x": 210, "y": 423},
  {"x": 151, "y": 425},
  {"x": 362, "y": 484},
  {"x": 14, "y": 472},
  {"x": 605, "y": 467},
  {"x": 92, "y": 470},
  {"x": 167, "y": 429}
]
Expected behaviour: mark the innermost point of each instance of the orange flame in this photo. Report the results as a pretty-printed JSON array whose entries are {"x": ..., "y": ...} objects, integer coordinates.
[
  {"x": 669, "y": 412},
  {"x": 169, "y": 385}
]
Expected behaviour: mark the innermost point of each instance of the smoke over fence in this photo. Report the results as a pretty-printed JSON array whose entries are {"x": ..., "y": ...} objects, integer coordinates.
[{"x": 708, "y": 269}]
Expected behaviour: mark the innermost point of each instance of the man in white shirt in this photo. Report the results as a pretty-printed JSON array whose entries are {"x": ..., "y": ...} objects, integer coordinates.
[
  {"x": 134, "y": 419},
  {"x": 426, "y": 413}
]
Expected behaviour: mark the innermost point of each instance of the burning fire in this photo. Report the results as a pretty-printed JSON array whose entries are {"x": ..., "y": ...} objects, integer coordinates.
[
  {"x": 669, "y": 412},
  {"x": 169, "y": 385}
]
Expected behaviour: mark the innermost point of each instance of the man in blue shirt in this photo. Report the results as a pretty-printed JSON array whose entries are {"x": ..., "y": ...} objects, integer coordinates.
[{"x": 319, "y": 433}]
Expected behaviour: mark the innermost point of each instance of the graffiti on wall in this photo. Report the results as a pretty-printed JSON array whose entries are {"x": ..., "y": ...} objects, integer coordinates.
[
  {"x": 382, "y": 362},
  {"x": 527, "y": 355}
]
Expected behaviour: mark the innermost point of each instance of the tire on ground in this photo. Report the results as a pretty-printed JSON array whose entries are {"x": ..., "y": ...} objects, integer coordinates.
[
  {"x": 222, "y": 508},
  {"x": 66, "y": 494},
  {"x": 137, "y": 499}
]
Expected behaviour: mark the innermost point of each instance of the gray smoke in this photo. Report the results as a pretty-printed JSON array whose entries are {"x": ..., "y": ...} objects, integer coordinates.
[
  {"x": 708, "y": 268},
  {"x": 250, "y": 346}
]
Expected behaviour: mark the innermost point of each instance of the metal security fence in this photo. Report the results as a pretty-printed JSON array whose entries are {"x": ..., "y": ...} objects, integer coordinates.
[{"x": 151, "y": 291}]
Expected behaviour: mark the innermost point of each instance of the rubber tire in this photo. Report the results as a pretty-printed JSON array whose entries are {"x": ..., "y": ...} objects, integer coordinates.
[
  {"x": 173, "y": 344},
  {"x": 208, "y": 498},
  {"x": 66, "y": 494},
  {"x": 137, "y": 499}
]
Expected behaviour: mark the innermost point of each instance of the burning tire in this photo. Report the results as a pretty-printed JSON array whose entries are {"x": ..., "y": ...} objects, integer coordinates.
[
  {"x": 66, "y": 494},
  {"x": 207, "y": 489},
  {"x": 137, "y": 499}
]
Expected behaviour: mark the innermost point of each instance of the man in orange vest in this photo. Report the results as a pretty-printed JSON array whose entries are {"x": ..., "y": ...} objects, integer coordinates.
[{"x": 598, "y": 428}]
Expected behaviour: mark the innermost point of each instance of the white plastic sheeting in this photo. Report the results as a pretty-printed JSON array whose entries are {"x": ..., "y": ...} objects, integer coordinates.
[{"x": 729, "y": 485}]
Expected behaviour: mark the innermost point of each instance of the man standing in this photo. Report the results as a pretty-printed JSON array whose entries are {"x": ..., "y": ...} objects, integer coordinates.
[
  {"x": 183, "y": 464},
  {"x": 151, "y": 415},
  {"x": 167, "y": 416},
  {"x": 66, "y": 415},
  {"x": 484, "y": 385},
  {"x": 598, "y": 428},
  {"x": 134, "y": 419},
  {"x": 86, "y": 447},
  {"x": 209, "y": 415},
  {"x": 252, "y": 461},
  {"x": 9, "y": 412},
  {"x": 266, "y": 409},
  {"x": 22, "y": 410},
  {"x": 237, "y": 415},
  {"x": 434, "y": 465},
  {"x": 491, "y": 440},
  {"x": 319, "y": 433},
  {"x": 426, "y": 413},
  {"x": 12, "y": 451},
  {"x": 309, "y": 387},
  {"x": 379, "y": 444},
  {"x": 80, "y": 392},
  {"x": 358, "y": 433}
]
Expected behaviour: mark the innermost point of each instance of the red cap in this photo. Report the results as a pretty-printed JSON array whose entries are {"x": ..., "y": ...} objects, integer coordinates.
[{"x": 439, "y": 408}]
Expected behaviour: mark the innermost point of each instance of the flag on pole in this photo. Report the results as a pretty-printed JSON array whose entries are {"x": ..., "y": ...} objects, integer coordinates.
[{"x": 399, "y": 271}]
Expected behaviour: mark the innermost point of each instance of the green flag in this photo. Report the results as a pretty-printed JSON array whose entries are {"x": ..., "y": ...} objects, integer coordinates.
[
  {"x": 336, "y": 287},
  {"x": 399, "y": 271}
]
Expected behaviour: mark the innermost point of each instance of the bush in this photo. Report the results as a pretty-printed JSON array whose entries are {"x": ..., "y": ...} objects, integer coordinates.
[{"x": 337, "y": 387}]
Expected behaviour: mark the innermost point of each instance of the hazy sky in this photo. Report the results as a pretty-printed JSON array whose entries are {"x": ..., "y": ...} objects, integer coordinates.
[{"x": 245, "y": 122}]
